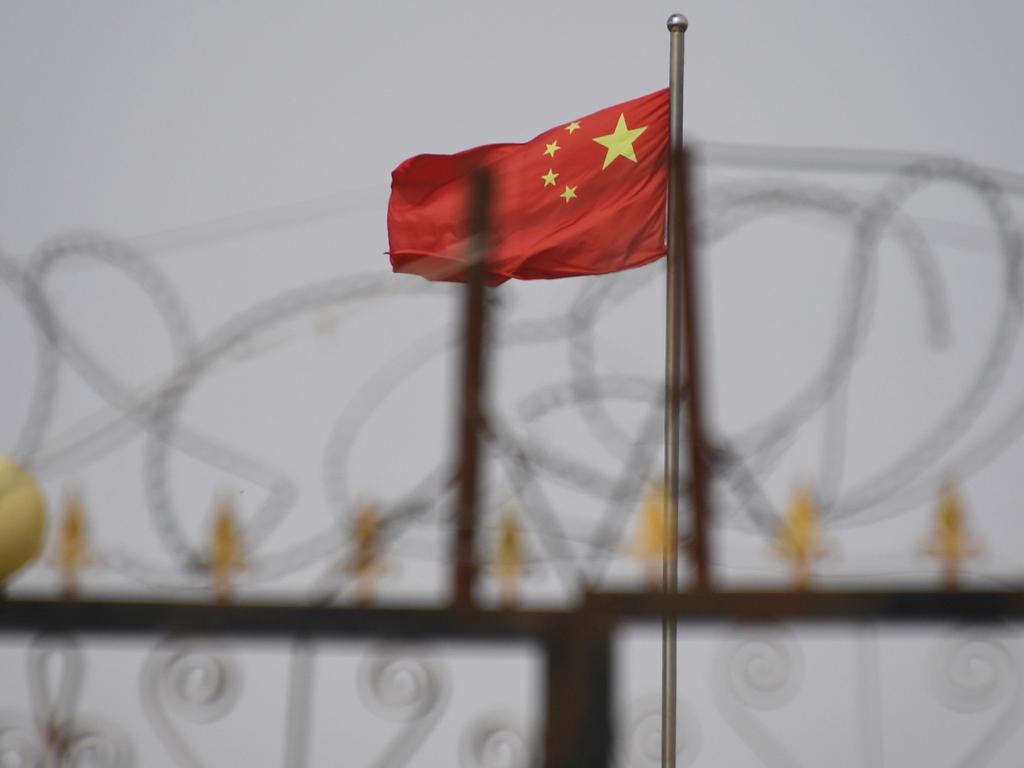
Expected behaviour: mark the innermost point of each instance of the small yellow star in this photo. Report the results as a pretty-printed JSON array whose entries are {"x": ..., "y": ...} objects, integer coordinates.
[
  {"x": 551, "y": 148},
  {"x": 549, "y": 178},
  {"x": 620, "y": 143},
  {"x": 569, "y": 194},
  {"x": 572, "y": 128}
]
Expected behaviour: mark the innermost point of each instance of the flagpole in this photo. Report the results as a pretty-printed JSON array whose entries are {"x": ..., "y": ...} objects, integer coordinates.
[{"x": 677, "y": 235}]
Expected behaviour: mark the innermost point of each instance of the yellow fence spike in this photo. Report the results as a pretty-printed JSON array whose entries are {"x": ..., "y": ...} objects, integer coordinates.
[
  {"x": 799, "y": 540},
  {"x": 227, "y": 550},
  {"x": 366, "y": 564},
  {"x": 73, "y": 554},
  {"x": 509, "y": 560},
  {"x": 649, "y": 541},
  {"x": 950, "y": 541}
]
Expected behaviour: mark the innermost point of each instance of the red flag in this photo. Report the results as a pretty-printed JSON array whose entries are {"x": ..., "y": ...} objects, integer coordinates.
[{"x": 584, "y": 198}]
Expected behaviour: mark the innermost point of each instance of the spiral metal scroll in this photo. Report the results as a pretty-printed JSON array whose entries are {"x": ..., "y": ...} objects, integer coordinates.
[
  {"x": 198, "y": 682},
  {"x": 20, "y": 745},
  {"x": 641, "y": 740},
  {"x": 973, "y": 673},
  {"x": 760, "y": 671},
  {"x": 399, "y": 686},
  {"x": 57, "y": 734},
  {"x": 494, "y": 742}
]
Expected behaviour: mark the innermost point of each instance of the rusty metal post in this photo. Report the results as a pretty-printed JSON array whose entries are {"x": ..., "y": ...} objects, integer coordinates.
[
  {"x": 698, "y": 454},
  {"x": 471, "y": 404},
  {"x": 579, "y": 697},
  {"x": 683, "y": 314}
]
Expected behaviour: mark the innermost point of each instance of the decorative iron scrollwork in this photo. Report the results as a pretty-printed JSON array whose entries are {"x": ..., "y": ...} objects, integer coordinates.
[
  {"x": 398, "y": 686},
  {"x": 57, "y": 735},
  {"x": 641, "y": 740},
  {"x": 193, "y": 680},
  {"x": 973, "y": 673},
  {"x": 493, "y": 742},
  {"x": 759, "y": 671}
]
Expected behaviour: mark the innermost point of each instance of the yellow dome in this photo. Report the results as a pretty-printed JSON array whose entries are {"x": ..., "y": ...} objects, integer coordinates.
[{"x": 22, "y": 518}]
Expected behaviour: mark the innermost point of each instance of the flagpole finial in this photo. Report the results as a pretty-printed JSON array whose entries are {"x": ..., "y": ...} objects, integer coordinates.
[{"x": 677, "y": 22}]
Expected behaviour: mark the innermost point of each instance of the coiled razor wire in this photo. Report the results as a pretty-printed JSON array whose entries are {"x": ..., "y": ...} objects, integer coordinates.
[{"x": 739, "y": 462}]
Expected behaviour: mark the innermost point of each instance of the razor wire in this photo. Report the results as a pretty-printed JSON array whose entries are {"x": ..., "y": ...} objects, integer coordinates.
[{"x": 739, "y": 462}]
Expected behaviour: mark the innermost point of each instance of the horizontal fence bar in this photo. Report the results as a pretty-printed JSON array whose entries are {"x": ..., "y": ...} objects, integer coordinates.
[
  {"x": 812, "y": 606},
  {"x": 283, "y": 620},
  {"x": 599, "y": 610}
]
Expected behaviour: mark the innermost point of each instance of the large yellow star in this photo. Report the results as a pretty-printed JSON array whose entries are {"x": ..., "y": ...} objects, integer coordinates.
[
  {"x": 551, "y": 148},
  {"x": 569, "y": 194},
  {"x": 620, "y": 143},
  {"x": 549, "y": 178}
]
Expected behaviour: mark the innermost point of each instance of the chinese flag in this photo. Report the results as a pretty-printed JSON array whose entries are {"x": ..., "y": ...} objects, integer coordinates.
[{"x": 584, "y": 198}]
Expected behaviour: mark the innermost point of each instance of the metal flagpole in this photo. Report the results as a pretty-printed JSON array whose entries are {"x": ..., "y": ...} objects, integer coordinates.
[{"x": 677, "y": 25}]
